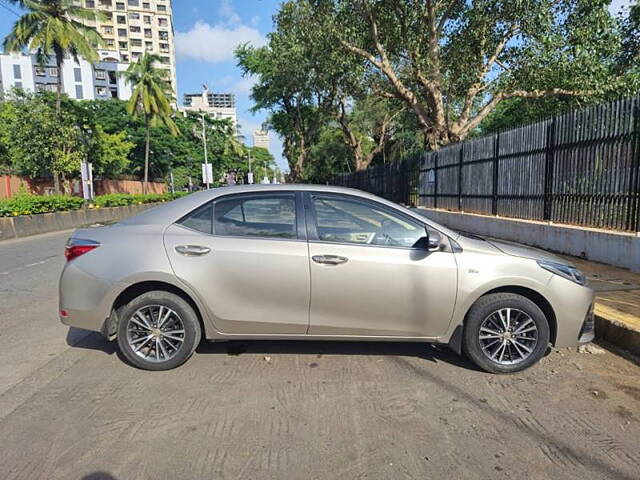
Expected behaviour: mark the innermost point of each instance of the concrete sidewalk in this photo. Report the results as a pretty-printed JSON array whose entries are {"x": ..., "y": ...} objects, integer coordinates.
[{"x": 617, "y": 306}]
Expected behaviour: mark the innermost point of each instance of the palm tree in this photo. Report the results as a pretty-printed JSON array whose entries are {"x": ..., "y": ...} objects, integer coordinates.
[
  {"x": 150, "y": 99},
  {"x": 53, "y": 27}
]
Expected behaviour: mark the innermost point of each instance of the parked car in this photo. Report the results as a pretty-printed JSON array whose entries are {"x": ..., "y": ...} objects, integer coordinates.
[{"x": 305, "y": 262}]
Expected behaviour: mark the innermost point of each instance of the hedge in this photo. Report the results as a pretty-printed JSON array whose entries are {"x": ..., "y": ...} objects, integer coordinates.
[
  {"x": 35, "y": 204},
  {"x": 122, "y": 199}
]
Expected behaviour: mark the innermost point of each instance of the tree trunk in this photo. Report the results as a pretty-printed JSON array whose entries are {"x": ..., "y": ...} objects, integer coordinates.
[
  {"x": 435, "y": 139},
  {"x": 296, "y": 170},
  {"x": 301, "y": 156},
  {"x": 362, "y": 163},
  {"x": 59, "y": 61},
  {"x": 145, "y": 184}
]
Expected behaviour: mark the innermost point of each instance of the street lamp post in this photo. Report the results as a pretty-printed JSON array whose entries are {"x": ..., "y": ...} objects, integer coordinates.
[
  {"x": 206, "y": 157},
  {"x": 172, "y": 155},
  {"x": 250, "y": 175},
  {"x": 86, "y": 168},
  {"x": 189, "y": 177}
]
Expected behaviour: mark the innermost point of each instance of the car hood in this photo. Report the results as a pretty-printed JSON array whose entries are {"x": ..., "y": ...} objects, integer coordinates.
[{"x": 517, "y": 250}]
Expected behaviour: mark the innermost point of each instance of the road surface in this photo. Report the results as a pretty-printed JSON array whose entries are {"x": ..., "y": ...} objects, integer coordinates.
[{"x": 71, "y": 409}]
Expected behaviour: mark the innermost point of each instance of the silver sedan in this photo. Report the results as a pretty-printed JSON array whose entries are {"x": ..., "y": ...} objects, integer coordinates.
[{"x": 307, "y": 262}]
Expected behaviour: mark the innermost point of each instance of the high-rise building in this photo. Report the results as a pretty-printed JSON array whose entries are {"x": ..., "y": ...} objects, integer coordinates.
[
  {"x": 133, "y": 27},
  {"x": 217, "y": 105},
  {"x": 261, "y": 139},
  {"x": 82, "y": 80}
]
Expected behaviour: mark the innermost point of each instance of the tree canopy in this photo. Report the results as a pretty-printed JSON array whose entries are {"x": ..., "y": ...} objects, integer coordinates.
[
  {"x": 452, "y": 65},
  {"x": 32, "y": 139},
  {"x": 150, "y": 100}
]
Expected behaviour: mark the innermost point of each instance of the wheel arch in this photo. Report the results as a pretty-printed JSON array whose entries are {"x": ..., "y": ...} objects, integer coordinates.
[
  {"x": 110, "y": 327},
  {"x": 456, "y": 338}
]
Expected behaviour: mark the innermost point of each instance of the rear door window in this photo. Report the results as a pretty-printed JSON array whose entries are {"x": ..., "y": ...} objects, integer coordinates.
[{"x": 269, "y": 215}]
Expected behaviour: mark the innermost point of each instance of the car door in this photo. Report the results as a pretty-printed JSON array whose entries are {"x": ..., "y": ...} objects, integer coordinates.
[
  {"x": 246, "y": 256},
  {"x": 367, "y": 278}
]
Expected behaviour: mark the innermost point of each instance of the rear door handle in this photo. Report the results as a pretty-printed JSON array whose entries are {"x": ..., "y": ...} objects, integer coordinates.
[
  {"x": 192, "y": 250},
  {"x": 329, "y": 259}
]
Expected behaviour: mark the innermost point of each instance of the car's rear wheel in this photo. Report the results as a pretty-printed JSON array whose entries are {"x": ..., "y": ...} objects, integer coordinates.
[
  {"x": 505, "y": 333},
  {"x": 158, "y": 331}
]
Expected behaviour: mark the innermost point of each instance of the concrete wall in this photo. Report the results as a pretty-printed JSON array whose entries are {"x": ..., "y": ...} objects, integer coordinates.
[
  {"x": 103, "y": 187},
  {"x": 11, "y": 185},
  {"x": 27, "y": 225},
  {"x": 613, "y": 248}
]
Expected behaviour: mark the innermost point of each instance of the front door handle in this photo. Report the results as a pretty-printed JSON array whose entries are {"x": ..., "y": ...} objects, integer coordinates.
[
  {"x": 192, "y": 250},
  {"x": 329, "y": 259}
]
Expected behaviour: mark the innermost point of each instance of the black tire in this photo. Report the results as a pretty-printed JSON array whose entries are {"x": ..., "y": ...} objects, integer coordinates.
[
  {"x": 186, "y": 315},
  {"x": 485, "y": 307}
]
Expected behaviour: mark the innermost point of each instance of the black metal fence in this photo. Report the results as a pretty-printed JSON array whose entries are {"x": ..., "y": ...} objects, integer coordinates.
[{"x": 580, "y": 168}]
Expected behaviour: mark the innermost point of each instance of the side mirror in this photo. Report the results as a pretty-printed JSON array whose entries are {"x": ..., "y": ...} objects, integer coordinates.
[{"x": 428, "y": 243}]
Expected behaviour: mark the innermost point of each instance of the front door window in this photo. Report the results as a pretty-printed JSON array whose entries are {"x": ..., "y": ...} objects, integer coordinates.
[{"x": 351, "y": 221}]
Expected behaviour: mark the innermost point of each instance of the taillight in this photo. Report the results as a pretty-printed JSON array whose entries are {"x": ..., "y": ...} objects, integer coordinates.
[{"x": 77, "y": 247}]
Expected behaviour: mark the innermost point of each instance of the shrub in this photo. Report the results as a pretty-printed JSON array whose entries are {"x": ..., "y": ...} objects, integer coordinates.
[
  {"x": 24, "y": 204},
  {"x": 123, "y": 199},
  {"x": 33, "y": 204}
]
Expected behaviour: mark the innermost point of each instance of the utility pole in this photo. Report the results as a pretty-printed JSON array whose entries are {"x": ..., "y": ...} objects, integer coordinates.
[
  {"x": 206, "y": 157},
  {"x": 171, "y": 162},
  {"x": 250, "y": 174}
]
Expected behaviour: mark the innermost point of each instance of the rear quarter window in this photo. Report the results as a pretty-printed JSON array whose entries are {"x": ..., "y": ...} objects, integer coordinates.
[{"x": 200, "y": 219}]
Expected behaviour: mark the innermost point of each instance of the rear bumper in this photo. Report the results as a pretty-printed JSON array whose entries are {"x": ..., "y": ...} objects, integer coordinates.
[{"x": 85, "y": 299}]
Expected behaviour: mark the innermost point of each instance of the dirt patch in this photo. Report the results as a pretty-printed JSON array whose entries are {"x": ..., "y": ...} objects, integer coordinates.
[{"x": 633, "y": 392}]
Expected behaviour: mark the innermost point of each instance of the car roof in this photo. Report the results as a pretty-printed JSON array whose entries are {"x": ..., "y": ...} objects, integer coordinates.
[{"x": 171, "y": 212}]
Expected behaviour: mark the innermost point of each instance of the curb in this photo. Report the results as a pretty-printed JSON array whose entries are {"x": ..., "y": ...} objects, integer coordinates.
[
  {"x": 28, "y": 225},
  {"x": 613, "y": 326}
]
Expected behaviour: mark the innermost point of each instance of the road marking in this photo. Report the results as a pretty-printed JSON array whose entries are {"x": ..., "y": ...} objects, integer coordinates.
[{"x": 29, "y": 265}]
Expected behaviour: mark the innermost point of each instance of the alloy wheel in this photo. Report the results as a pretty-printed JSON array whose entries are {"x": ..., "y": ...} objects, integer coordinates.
[
  {"x": 508, "y": 336},
  {"x": 155, "y": 333}
]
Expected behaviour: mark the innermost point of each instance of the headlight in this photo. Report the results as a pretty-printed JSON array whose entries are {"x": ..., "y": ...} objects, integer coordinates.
[{"x": 566, "y": 271}]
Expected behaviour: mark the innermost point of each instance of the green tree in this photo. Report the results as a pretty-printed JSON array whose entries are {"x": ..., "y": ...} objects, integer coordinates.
[
  {"x": 151, "y": 100},
  {"x": 630, "y": 55},
  {"x": 112, "y": 153},
  {"x": 263, "y": 164},
  {"x": 54, "y": 28},
  {"x": 38, "y": 140},
  {"x": 297, "y": 100},
  {"x": 368, "y": 127},
  {"x": 329, "y": 156},
  {"x": 452, "y": 63}
]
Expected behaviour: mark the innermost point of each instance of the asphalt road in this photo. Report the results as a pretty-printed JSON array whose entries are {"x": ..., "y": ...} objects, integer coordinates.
[{"x": 71, "y": 409}]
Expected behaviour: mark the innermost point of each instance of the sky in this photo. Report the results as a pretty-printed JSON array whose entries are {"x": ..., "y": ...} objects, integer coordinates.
[{"x": 207, "y": 32}]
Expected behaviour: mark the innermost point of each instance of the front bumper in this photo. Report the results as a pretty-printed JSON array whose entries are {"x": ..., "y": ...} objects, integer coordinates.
[
  {"x": 588, "y": 330},
  {"x": 573, "y": 307}
]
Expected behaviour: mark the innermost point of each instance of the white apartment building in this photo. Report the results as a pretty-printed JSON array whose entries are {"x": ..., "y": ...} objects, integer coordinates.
[
  {"x": 81, "y": 81},
  {"x": 261, "y": 139},
  {"x": 133, "y": 27},
  {"x": 217, "y": 105}
]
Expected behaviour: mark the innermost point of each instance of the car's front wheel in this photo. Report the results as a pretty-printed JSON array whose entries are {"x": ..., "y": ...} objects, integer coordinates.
[
  {"x": 158, "y": 331},
  {"x": 505, "y": 333}
]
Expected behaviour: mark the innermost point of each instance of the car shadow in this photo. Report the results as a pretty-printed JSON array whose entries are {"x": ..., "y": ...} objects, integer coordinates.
[
  {"x": 99, "y": 475},
  {"x": 78, "y": 338},
  {"x": 431, "y": 352}
]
